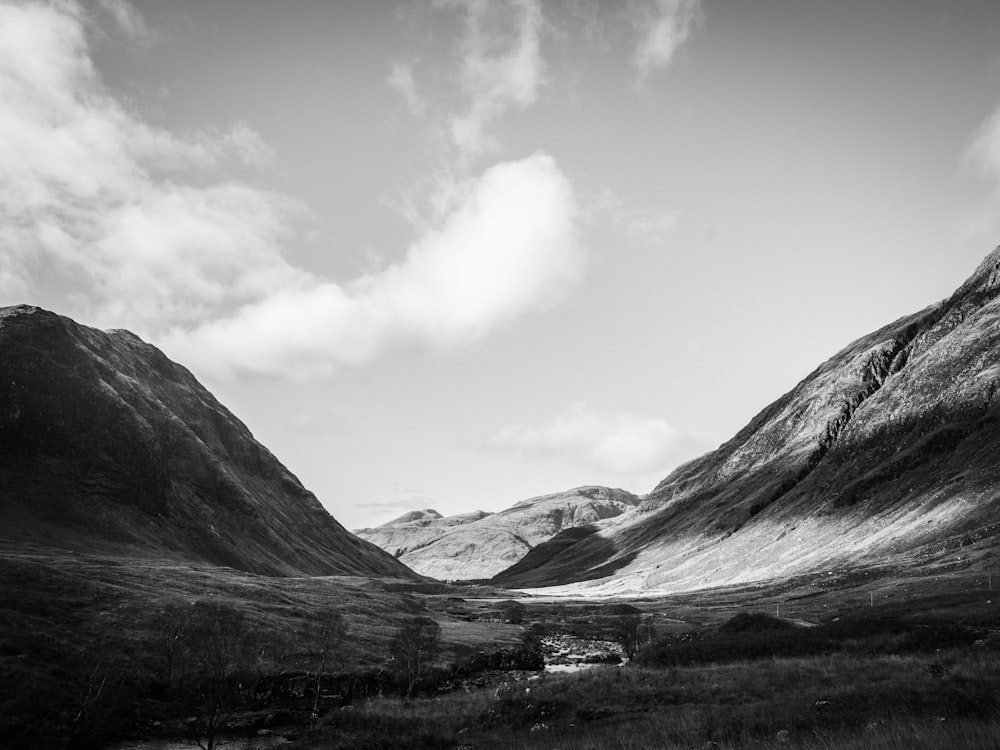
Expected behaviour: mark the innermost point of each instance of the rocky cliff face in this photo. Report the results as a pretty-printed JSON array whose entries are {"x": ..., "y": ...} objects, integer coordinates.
[
  {"x": 887, "y": 449},
  {"x": 479, "y": 545},
  {"x": 107, "y": 446}
]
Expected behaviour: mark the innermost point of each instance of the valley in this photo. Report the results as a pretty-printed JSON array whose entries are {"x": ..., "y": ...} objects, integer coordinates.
[
  {"x": 823, "y": 579},
  {"x": 73, "y": 621}
]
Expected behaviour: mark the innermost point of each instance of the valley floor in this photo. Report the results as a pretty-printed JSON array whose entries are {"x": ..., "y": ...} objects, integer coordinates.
[{"x": 867, "y": 658}]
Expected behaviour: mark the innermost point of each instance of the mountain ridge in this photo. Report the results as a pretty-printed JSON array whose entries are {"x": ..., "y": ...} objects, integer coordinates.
[
  {"x": 107, "y": 446},
  {"x": 478, "y": 545},
  {"x": 851, "y": 464}
]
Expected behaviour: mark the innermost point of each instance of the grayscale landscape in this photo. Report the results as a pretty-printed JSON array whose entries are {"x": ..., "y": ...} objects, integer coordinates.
[{"x": 499, "y": 374}]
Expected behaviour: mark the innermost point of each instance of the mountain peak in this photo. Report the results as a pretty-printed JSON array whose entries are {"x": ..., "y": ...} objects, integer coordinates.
[
  {"x": 986, "y": 277},
  {"x": 426, "y": 514}
]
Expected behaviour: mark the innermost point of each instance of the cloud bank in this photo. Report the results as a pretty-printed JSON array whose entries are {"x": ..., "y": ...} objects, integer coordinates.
[
  {"x": 134, "y": 226},
  {"x": 508, "y": 248},
  {"x": 614, "y": 444}
]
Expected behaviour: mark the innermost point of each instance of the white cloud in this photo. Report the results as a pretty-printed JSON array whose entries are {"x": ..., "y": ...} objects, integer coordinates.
[
  {"x": 507, "y": 248},
  {"x": 500, "y": 66},
  {"x": 91, "y": 193},
  {"x": 612, "y": 443},
  {"x": 663, "y": 26},
  {"x": 142, "y": 233}
]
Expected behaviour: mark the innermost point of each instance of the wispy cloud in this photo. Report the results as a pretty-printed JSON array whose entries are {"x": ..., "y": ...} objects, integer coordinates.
[
  {"x": 642, "y": 225},
  {"x": 613, "y": 444},
  {"x": 980, "y": 220},
  {"x": 662, "y": 27},
  {"x": 146, "y": 235},
  {"x": 400, "y": 79},
  {"x": 500, "y": 66},
  {"x": 984, "y": 150},
  {"x": 128, "y": 20}
]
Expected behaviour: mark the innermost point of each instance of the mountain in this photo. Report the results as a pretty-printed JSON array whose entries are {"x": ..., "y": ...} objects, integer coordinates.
[
  {"x": 108, "y": 447},
  {"x": 479, "y": 545},
  {"x": 415, "y": 529},
  {"x": 888, "y": 453}
]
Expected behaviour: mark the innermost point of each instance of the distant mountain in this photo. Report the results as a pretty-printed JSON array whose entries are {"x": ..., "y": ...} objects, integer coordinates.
[
  {"x": 479, "y": 545},
  {"x": 417, "y": 516},
  {"x": 887, "y": 453},
  {"x": 106, "y": 446},
  {"x": 415, "y": 529}
]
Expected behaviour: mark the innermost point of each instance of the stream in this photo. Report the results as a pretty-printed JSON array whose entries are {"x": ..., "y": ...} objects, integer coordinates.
[{"x": 563, "y": 653}]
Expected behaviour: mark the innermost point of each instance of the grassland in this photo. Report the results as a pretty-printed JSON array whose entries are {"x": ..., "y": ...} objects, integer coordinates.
[
  {"x": 839, "y": 700},
  {"x": 83, "y": 639},
  {"x": 866, "y": 658},
  {"x": 834, "y": 701}
]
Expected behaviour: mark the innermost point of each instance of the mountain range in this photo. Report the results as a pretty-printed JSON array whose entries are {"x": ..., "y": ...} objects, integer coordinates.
[
  {"x": 887, "y": 454},
  {"x": 480, "y": 545}
]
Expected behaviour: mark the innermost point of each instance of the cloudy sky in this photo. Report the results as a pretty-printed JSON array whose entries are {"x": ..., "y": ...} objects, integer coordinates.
[{"x": 456, "y": 253}]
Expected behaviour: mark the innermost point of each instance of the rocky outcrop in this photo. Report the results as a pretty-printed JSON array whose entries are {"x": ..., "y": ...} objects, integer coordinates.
[
  {"x": 480, "y": 545},
  {"x": 890, "y": 446},
  {"x": 107, "y": 446}
]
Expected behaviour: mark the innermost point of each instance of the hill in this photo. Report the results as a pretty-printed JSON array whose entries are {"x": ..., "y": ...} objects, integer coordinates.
[
  {"x": 887, "y": 453},
  {"x": 479, "y": 545},
  {"x": 108, "y": 447}
]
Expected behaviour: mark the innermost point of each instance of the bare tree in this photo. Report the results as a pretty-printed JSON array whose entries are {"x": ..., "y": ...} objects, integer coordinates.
[
  {"x": 414, "y": 647},
  {"x": 626, "y": 629},
  {"x": 329, "y": 640},
  {"x": 221, "y": 653},
  {"x": 649, "y": 628},
  {"x": 172, "y": 624}
]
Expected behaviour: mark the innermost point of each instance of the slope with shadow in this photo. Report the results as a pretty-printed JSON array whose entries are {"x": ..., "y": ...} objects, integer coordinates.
[
  {"x": 885, "y": 451},
  {"x": 479, "y": 545},
  {"x": 108, "y": 447}
]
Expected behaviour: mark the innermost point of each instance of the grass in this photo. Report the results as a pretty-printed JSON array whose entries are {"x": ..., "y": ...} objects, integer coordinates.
[
  {"x": 79, "y": 636},
  {"x": 759, "y": 636},
  {"x": 67, "y": 621},
  {"x": 836, "y": 701}
]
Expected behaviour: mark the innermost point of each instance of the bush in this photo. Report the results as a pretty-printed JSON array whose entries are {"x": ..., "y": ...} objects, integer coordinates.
[{"x": 753, "y": 621}]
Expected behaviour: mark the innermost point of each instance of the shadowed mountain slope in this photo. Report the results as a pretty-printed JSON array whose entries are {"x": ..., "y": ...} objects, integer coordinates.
[
  {"x": 106, "y": 446},
  {"x": 886, "y": 451},
  {"x": 479, "y": 545}
]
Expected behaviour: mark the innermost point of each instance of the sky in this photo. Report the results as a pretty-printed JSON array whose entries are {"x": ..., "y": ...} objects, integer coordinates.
[{"x": 452, "y": 254}]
